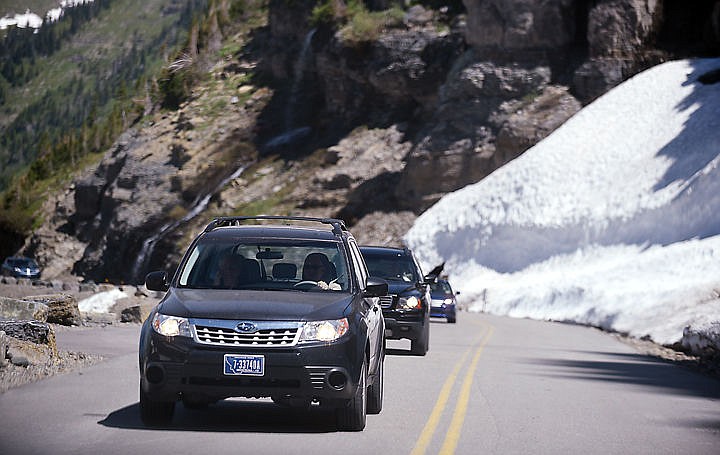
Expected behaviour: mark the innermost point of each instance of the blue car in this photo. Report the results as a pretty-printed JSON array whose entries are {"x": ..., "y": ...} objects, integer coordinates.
[
  {"x": 444, "y": 302},
  {"x": 21, "y": 267}
]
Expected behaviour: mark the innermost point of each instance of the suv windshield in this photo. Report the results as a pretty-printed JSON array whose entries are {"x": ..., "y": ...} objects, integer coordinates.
[
  {"x": 22, "y": 263},
  {"x": 227, "y": 263},
  {"x": 441, "y": 287},
  {"x": 393, "y": 268}
]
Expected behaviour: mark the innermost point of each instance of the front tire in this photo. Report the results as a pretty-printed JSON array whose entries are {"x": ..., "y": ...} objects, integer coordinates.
[
  {"x": 376, "y": 389},
  {"x": 420, "y": 346},
  {"x": 155, "y": 413},
  {"x": 353, "y": 415}
]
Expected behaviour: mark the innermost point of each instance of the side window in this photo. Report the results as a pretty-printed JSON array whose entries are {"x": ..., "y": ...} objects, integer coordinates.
[
  {"x": 421, "y": 276},
  {"x": 358, "y": 264}
]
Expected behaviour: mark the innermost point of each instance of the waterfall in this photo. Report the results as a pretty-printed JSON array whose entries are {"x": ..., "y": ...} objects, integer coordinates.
[
  {"x": 198, "y": 205},
  {"x": 298, "y": 72}
]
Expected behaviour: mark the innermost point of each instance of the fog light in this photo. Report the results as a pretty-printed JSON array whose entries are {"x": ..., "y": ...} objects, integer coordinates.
[
  {"x": 154, "y": 374},
  {"x": 337, "y": 380}
]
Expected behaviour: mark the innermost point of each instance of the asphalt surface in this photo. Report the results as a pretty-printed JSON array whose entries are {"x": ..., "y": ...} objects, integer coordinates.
[{"x": 488, "y": 385}]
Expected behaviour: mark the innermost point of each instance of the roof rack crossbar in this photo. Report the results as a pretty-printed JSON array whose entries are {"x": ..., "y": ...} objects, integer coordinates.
[{"x": 337, "y": 225}]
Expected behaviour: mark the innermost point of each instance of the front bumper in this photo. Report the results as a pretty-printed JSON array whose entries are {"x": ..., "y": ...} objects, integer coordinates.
[
  {"x": 174, "y": 368},
  {"x": 399, "y": 325},
  {"x": 443, "y": 311}
]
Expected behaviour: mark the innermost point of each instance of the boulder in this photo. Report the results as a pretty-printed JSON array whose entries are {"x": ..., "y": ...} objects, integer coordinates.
[
  {"x": 31, "y": 331},
  {"x": 22, "y": 309},
  {"x": 532, "y": 120},
  {"x": 23, "y": 353},
  {"x": 620, "y": 28},
  {"x": 89, "y": 287},
  {"x": 703, "y": 340},
  {"x": 519, "y": 24},
  {"x": 62, "y": 308},
  {"x": 598, "y": 75},
  {"x": 3, "y": 349},
  {"x": 131, "y": 314}
]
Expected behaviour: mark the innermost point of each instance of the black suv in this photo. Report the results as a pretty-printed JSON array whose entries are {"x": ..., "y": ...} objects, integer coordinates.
[
  {"x": 266, "y": 310},
  {"x": 407, "y": 308}
]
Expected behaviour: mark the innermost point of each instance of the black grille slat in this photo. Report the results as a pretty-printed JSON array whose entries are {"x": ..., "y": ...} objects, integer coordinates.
[
  {"x": 266, "y": 337},
  {"x": 386, "y": 301}
]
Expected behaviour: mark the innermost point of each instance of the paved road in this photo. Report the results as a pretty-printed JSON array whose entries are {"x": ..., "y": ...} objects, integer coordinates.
[{"x": 488, "y": 385}]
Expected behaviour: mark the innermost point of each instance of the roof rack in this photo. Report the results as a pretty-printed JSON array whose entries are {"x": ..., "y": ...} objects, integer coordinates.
[{"x": 337, "y": 225}]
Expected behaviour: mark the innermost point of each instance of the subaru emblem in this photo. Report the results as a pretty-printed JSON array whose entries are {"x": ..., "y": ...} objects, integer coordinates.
[{"x": 246, "y": 327}]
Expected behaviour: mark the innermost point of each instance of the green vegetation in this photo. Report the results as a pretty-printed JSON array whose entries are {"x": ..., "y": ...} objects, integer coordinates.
[
  {"x": 73, "y": 98},
  {"x": 357, "y": 23},
  {"x": 365, "y": 26}
]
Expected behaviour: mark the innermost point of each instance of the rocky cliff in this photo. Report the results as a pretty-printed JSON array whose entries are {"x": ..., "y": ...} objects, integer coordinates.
[{"x": 373, "y": 129}]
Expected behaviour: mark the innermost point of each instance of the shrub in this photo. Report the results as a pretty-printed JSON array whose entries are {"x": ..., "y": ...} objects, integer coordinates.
[{"x": 364, "y": 25}]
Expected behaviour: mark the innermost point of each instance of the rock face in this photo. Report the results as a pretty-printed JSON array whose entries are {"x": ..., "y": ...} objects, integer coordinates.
[
  {"x": 518, "y": 24},
  {"x": 144, "y": 186},
  {"x": 383, "y": 123},
  {"x": 488, "y": 115}
]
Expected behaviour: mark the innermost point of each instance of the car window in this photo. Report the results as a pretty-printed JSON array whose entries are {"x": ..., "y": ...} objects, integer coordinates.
[
  {"x": 22, "y": 263},
  {"x": 441, "y": 287},
  {"x": 359, "y": 264},
  {"x": 392, "y": 267},
  {"x": 265, "y": 265}
]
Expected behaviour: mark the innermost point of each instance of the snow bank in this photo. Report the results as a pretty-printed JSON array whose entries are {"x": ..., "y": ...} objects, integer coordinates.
[
  {"x": 613, "y": 220},
  {"x": 101, "y": 302}
]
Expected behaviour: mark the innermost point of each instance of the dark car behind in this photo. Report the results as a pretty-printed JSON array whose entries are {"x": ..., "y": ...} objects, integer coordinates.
[
  {"x": 407, "y": 308},
  {"x": 21, "y": 267}
]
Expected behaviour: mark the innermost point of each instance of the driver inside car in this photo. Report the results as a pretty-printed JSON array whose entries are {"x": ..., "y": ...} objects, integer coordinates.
[{"x": 317, "y": 267}]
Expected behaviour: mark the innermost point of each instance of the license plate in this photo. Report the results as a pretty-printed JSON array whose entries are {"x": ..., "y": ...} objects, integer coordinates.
[{"x": 244, "y": 365}]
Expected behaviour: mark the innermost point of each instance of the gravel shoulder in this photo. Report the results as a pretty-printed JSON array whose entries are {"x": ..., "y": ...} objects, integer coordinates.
[{"x": 41, "y": 361}]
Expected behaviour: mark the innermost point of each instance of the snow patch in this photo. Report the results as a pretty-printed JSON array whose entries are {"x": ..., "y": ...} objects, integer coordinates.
[
  {"x": 613, "y": 220},
  {"x": 101, "y": 302}
]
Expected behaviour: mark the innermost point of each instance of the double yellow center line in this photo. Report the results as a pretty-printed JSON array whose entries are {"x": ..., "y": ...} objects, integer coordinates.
[{"x": 453, "y": 433}]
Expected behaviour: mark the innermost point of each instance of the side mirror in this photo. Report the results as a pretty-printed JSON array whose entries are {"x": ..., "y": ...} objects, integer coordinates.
[
  {"x": 429, "y": 279},
  {"x": 376, "y": 287},
  {"x": 157, "y": 281}
]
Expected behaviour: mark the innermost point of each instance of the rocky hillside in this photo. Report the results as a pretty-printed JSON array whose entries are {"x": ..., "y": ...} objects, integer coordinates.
[{"x": 369, "y": 114}]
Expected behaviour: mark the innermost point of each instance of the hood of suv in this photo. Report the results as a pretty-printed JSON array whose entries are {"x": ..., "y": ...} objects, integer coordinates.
[
  {"x": 402, "y": 288},
  {"x": 255, "y": 305}
]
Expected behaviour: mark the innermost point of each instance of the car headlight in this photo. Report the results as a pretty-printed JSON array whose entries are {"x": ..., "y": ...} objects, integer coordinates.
[
  {"x": 171, "y": 326},
  {"x": 409, "y": 303},
  {"x": 448, "y": 301},
  {"x": 326, "y": 331}
]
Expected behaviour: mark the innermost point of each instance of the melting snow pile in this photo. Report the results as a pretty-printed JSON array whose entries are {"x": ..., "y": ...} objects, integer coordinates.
[
  {"x": 611, "y": 221},
  {"x": 101, "y": 302}
]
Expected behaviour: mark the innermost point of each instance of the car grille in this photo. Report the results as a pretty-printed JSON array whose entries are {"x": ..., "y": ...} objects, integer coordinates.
[
  {"x": 386, "y": 301},
  {"x": 264, "y": 337}
]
